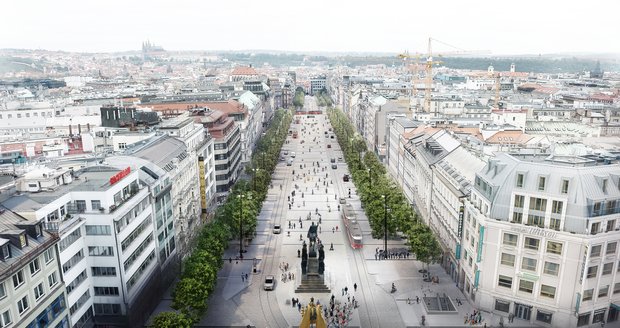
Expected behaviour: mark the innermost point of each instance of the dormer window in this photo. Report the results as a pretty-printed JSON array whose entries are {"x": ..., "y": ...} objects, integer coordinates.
[
  {"x": 6, "y": 252},
  {"x": 23, "y": 240},
  {"x": 604, "y": 185},
  {"x": 38, "y": 230}
]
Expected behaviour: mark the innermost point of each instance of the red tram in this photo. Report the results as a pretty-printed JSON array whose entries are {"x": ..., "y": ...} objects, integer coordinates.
[{"x": 353, "y": 230}]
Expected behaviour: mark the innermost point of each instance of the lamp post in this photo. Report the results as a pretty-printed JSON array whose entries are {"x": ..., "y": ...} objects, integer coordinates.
[
  {"x": 254, "y": 178},
  {"x": 369, "y": 179},
  {"x": 241, "y": 197},
  {"x": 385, "y": 230}
]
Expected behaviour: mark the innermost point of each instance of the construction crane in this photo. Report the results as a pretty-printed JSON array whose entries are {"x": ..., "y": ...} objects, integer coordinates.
[
  {"x": 429, "y": 67},
  {"x": 414, "y": 75}
]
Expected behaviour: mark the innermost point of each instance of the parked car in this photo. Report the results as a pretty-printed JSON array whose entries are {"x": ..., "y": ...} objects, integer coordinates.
[
  {"x": 277, "y": 229},
  {"x": 293, "y": 154},
  {"x": 334, "y": 166},
  {"x": 286, "y": 152},
  {"x": 342, "y": 200},
  {"x": 339, "y": 159},
  {"x": 345, "y": 178},
  {"x": 329, "y": 145},
  {"x": 270, "y": 282},
  {"x": 289, "y": 162}
]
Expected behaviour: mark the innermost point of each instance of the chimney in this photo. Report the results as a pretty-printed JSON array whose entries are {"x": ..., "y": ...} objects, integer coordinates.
[
  {"x": 70, "y": 131},
  {"x": 79, "y": 129}
]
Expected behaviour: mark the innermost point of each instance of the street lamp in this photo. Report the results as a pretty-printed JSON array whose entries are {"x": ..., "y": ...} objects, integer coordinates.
[
  {"x": 241, "y": 197},
  {"x": 254, "y": 178},
  {"x": 369, "y": 179},
  {"x": 385, "y": 230}
]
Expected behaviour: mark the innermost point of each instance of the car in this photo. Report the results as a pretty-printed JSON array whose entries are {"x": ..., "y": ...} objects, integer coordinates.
[
  {"x": 329, "y": 146},
  {"x": 286, "y": 152},
  {"x": 326, "y": 136},
  {"x": 332, "y": 136},
  {"x": 333, "y": 160},
  {"x": 270, "y": 282},
  {"x": 293, "y": 154},
  {"x": 289, "y": 162},
  {"x": 339, "y": 159},
  {"x": 342, "y": 200},
  {"x": 334, "y": 166},
  {"x": 276, "y": 229},
  {"x": 325, "y": 132},
  {"x": 345, "y": 178},
  {"x": 281, "y": 158}
]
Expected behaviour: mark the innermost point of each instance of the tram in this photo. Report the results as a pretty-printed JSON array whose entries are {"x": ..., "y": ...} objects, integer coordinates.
[{"x": 353, "y": 230}]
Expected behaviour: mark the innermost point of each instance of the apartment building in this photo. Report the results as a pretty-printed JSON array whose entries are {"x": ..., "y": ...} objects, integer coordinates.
[
  {"x": 226, "y": 144},
  {"x": 106, "y": 221},
  {"x": 541, "y": 240},
  {"x": 32, "y": 293}
]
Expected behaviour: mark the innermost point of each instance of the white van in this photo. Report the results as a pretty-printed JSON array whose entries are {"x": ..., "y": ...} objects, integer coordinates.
[{"x": 293, "y": 154}]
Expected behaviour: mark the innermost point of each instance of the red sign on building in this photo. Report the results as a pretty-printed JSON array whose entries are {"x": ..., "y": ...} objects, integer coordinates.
[{"x": 120, "y": 175}]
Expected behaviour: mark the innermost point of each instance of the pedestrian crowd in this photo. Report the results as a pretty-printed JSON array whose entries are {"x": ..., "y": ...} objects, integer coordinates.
[{"x": 473, "y": 318}]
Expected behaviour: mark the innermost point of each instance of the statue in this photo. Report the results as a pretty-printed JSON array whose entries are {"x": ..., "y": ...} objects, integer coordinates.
[
  {"x": 321, "y": 259},
  {"x": 304, "y": 258}
]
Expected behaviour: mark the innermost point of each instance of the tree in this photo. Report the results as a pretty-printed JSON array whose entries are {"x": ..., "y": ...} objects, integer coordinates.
[
  {"x": 190, "y": 297},
  {"x": 172, "y": 320},
  {"x": 423, "y": 244}
]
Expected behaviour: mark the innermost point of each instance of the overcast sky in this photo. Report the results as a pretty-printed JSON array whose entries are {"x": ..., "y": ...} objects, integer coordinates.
[{"x": 502, "y": 27}]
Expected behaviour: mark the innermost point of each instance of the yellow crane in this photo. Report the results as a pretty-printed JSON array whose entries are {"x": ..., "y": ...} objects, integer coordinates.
[
  {"x": 429, "y": 68},
  {"x": 415, "y": 63}
]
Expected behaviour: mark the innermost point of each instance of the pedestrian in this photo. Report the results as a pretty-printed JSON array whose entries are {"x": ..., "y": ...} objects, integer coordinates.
[
  {"x": 242, "y": 277},
  {"x": 319, "y": 229},
  {"x": 417, "y": 299},
  {"x": 343, "y": 292},
  {"x": 510, "y": 317},
  {"x": 355, "y": 287},
  {"x": 246, "y": 276},
  {"x": 230, "y": 260},
  {"x": 346, "y": 290},
  {"x": 333, "y": 230},
  {"x": 293, "y": 301}
]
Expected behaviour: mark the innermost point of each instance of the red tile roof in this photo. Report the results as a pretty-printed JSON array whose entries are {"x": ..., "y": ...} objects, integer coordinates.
[{"x": 244, "y": 70}]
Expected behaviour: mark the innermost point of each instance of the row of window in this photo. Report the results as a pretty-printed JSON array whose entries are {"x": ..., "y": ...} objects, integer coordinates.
[
  {"x": 541, "y": 315},
  {"x": 542, "y": 183},
  {"x": 607, "y": 269},
  {"x": 134, "y": 256},
  {"x": 34, "y": 114},
  {"x": 527, "y": 286},
  {"x": 134, "y": 279},
  {"x": 532, "y": 243},
  {"x": 136, "y": 232},
  {"x": 530, "y": 264},
  {"x": 98, "y": 230},
  {"x": 23, "y": 304}
]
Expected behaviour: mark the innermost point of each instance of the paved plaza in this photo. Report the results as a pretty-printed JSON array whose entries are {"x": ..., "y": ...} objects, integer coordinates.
[{"x": 241, "y": 302}]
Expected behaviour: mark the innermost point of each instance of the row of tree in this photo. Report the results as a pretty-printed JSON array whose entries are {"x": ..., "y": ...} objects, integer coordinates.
[
  {"x": 199, "y": 275},
  {"x": 380, "y": 196},
  {"x": 323, "y": 98},
  {"x": 298, "y": 99}
]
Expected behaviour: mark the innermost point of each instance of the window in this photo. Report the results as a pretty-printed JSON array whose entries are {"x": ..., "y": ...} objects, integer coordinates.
[
  {"x": 77, "y": 281},
  {"x": 564, "y": 188},
  {"x": 48, "y": 255},
  {"x": 556, "y": 207},
  {"x": 543, "y": 316},
  {"x": 604, "y": 186},
  {"x": 510, "y": 239},
  {"x": 611, "y": 248},
  {"x": 98, "y": 230},
  {"x": 106, "y": 291},
  {"x": 611, "y": 225},
  {"x": 39, "y": 291},
  {"x": 508, "y": 259},
  {"x": 554, "y": 247},
  {"x": 103, "y": 271},
  {"x": 517, "y": 217},
  {"x": 587, "y": 294},
  {"x": 2, "y": 290},
  {"x": 505, "y": 281},
  {"x": 536, "y": 220},
  {"x": 35, "y": 267},
  {"x": 547, "y": 291},
  {"x": 551, "y": 268},
  {"x": 603, "y": 291},
  {"x": 6, "y": 252},
  {"x": 520, "y": 180},
  {"x": 78, "y": 304},
  {"x": 595, "y": 251},
  {"x": 599, "y": 315},
  {"x": 592, "y": 271},
  {"x": 95, "y": 204},
  {"x": 555, "y": 223},
  {"x": 583, "y": 319},
  {"x": 101, "y": 251},
  {"x": 617, "y": 288},
  {"x": 502, "y": 306},
  {"x": 541, "y": 183},
  {"x": 5, "y": 319},
  {"x": 526, "y": 286},
  {"x": 519, "y": 201},
  {"x": 538, "y": 204},
  {"x": 22, "y": 305},
  {"x": 107, "y": 309},
  {"x": 608, "y": 268},
  {"x": 528, "y": 264},
  {"x": 69, "y": 239},
  {"x": 18, "y": 279},
  {"x": 532, "y": 243},
  {"x": 52, "y": 279}
]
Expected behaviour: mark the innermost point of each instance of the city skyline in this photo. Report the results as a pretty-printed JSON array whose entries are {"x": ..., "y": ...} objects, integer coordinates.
[{"x": 322, "y": 26}]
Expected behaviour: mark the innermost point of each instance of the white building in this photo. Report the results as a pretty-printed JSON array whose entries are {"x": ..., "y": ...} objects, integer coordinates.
[
  {"x": 32, "y": 293},
  {"x": 541, "y": 240}
]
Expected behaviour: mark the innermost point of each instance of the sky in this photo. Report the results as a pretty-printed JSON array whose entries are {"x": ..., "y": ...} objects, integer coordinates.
[{"x": 481, "y": 26}]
